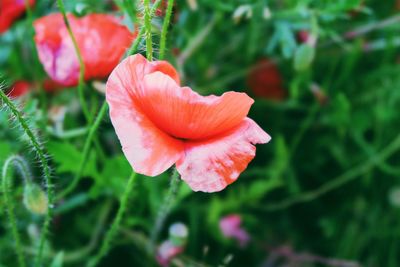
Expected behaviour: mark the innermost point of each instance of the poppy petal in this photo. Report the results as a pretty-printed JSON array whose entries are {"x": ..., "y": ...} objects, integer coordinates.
[
  {"x": 101, "y": 39},
  {"x": 148, "y": 149},
  {"x": 185, "y": 114},
  {"x": 211, "y": 165}
]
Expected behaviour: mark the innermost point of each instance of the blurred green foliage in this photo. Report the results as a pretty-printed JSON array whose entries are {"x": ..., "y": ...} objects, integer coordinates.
[{"x": 341, "y": 112}]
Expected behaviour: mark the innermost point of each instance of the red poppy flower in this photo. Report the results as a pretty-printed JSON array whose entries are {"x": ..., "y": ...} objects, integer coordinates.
[
  {"x": 101, "y": 40},
  {"x": 265, "y": 81},
  {"x": 159, "y": 123},
  {"x": 10, "y": 10},
  {"x": 19, "y": 89}
]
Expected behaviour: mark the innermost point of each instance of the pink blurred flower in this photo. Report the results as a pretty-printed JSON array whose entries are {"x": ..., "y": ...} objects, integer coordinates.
[
  {"x": 167, "y": 251},
  {"x": 101, "y": 39},
  {"x": 231, "y": 228}
]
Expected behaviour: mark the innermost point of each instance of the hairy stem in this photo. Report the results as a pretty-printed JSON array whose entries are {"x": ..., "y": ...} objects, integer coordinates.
[
  {"x": 165, "y": 28},
  {"x": 136, "y": 43},
  {"x": 105, "y": 246},
  {"x": 165, "y": 209},
  {"x": 45, "y": 169},
  {"x": 86, "y": 151},
  {"x": 85, "y": 108},
  {"x": 20, "y": 164},
  {"x": 147, "y": 26}
]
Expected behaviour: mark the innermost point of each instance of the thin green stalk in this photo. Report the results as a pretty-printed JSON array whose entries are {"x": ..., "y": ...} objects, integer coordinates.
[
  {"x": 105, "y": 246},
  {"x": 135, "y": 44},
  {"x": 165, "y": 28},
  {"x": 21, "y": 166},
  {"x": 147, "y": 26},
  {"x": 346, "y": 177},
  {"x": 45, "y": 168},
  {"x": 165, "y": 209},
  {"x": 85, "y": 108},
  {"x": 30, "y": 19},
  {"x": 86, "y": 150}
]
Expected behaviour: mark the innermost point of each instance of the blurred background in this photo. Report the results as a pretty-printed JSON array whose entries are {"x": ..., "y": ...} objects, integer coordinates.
[{"x": 325, "y": 76}]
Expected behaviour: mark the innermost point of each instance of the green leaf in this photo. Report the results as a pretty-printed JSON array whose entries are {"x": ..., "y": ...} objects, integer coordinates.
[
  {"x": 304, "y": 57},
  {"x": 113, "y": 177},
  {"x": 58, "y": 260},
  {"x": 67, "y": 158}
]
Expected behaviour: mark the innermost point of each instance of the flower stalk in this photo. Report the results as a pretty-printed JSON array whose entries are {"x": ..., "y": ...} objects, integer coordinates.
[
  {"x": 165, "y": 28},
  {"x": 20, "y": 165},
  {"x": 105, "y": 246},
  {"x": 85, "y": 108},
  {"x": 165, "y": 209}
]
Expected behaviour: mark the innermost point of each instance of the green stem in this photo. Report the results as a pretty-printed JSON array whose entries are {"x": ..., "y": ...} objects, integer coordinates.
[
  {"x": 86, "y": 151},
  {"x": 135, "y": 44},
  {"x": 85, "y": 108},
  {"x": 346, "y": 177},
  {"x": 148, "y": 33},
  {"x": 45, "y": 168},
  {"x": 105, "y": 246},
  {"x": 20, "y": 164},
  {"x": 165, "y": 28},
  {"x": 165, "y": 209},
  {"x": 30, "y": 19}
]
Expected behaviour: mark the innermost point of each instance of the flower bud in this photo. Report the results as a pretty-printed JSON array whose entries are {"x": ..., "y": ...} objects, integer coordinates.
[
  {"x": 178, "y": 233},
  {"x": 35, "y": 199}
]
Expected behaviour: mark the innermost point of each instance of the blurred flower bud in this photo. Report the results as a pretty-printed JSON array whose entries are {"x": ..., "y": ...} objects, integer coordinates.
[
  {"x": 267, "y": 13},
  {"x": 243, "y": 10},
  {"x": 231, "y": 228},
  {"x": 99, "y": 86},
  {"x": 192, "y": 4},
  {"x": 35, "y": 199},
  {"x": 394, "y": 196},
  {"x": 319, "y": 94},
  {"x": 178, "y": 233},
  {"x": 81, "y": 9},
  {"x": 304, "y": 56}
]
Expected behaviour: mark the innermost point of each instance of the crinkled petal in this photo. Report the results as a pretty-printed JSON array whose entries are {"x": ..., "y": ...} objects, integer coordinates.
[
  {"x": 148, "y": 149},
  {"x": 211, "y": 165},
  {"x": 185, "y": 114}
]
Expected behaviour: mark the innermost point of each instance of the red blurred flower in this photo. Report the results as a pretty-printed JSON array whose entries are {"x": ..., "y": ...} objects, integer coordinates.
[
  {"x": 160, "y": 123},
  {"x": 231, "y": 228},
  {"x": 52, "y": 86},
  {"x": 102, "y": 41},
  {"x": 10, "y": 10},
  {"x": 19, "y": 89},
  {"x": 265, "y": 81}
]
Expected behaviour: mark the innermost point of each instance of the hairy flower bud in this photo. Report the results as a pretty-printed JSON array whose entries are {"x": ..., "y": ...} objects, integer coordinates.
[{"x": 35, "y": 199}]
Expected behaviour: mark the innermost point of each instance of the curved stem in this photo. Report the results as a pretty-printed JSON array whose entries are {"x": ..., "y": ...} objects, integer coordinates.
[
  {"x": 85, "y": 108},
  {"x": 147, "y": 26},
  {"x": 86, "y": 151},
  {"x": 45, "y": 169},
  {"x": 346, "y": 177},
  {"x": 165, "y": 209},
  {"x": 105, "y": 246},
  {"x": 165, "y": 28},
  {"x": 21, "y": 166},
  {"x": 136, "y": 43}
]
